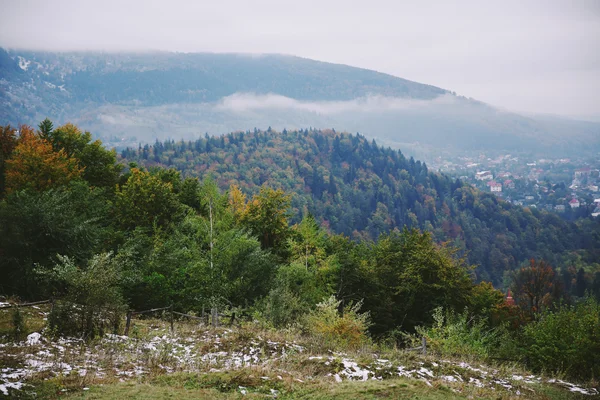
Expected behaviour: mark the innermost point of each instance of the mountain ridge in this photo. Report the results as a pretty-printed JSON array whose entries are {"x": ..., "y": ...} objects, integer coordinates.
[{"x": 136, "y": 96}]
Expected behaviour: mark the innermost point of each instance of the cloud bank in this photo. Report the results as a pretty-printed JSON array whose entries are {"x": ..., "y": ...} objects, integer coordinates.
[{"x": 248, "y": 102}]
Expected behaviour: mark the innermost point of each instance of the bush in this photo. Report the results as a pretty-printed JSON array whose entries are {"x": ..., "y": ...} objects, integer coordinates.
[
  {"x": 18, "y": 323},
  {"x": 92, "y": 302},
  {"x": 338, "y": 330},
  {"x": 281, "y": 307},
  {"x": 453, "y": 334},
  {"x": 567, "y": 341}
]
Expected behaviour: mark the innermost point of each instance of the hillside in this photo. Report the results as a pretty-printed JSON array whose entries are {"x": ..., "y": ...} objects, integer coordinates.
[
  {"x": 199, "y": 362},
  {"x": 112, "y": 246},
  {"x": 355, "y": 187},
  {"x": 139, "y": 97}
]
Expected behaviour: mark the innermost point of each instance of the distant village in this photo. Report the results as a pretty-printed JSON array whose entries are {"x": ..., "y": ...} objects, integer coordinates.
[{"x": 562, "y": 185}]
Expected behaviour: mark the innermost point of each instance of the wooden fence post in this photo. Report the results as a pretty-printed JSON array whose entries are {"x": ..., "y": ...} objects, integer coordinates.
[
  {"x": 171, "y": 318},
  {"x": 424, "y": 344},
  {"x": 215, "y": 317},
  {"x": 127, "y": 323}
]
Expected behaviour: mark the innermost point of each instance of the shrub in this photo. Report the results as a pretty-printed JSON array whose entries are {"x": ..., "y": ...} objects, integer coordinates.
[
  {"x": 18, "y": 324},
  {"x": 281, "y": 307},
  {"x": 454, "y": 334},
  {"x": 567, "y": 340},
  {"x": 347, "y": 329},
  {"x": 92, "y": 302}
]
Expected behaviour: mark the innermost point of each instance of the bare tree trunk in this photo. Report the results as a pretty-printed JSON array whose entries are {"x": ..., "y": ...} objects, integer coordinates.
[{"x": 211, "y": 232}]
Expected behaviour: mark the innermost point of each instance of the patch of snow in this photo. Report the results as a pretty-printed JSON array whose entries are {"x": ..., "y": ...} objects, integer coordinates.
[
  {"x": 23, "y": 63},
  {"x": 476, "y": 382},
  {"x": 34, "y": 338},
  {"x": 10, "y": 385}
]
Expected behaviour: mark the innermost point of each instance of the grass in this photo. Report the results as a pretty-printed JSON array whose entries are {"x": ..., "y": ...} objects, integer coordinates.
[
  {"x": 287, "y": 365},
  {"x": 231, "y": 384},
  {"x": 33, "y": 318}
]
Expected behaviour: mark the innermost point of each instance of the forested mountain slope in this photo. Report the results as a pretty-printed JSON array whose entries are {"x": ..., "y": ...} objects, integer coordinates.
[
  {"x": 353, "y": 186},
  {"x": 138, "y": 97},
  {"x": 101, "y": 238}
]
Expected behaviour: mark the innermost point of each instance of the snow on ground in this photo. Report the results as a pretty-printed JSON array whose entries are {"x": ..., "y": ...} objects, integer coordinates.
[
  {"x": 204, "y": 350},
  {"x": 23, "y": 63}
]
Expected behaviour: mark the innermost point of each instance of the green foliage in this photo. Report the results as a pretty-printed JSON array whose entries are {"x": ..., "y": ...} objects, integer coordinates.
[
  {"x": 282, "y": 307},
  {"x": 18, "y": 324},
  {"x": 181, "y": 242},
  {"x": 411, "y": 276},
  {"x": 8, "y": 142},
  {"x": 35, "y": 227},
  {"x": 354, "y": 187},
  {"x": 45, "y": 128},
  {"x": 91, "y": 300},
  {"x": 180, "y": 267},
  {"x": 567, "y": 341},
  {"x": 485, "y": 300},
  {"x": 338, "y": 328},
  {"x": 460, "y": 334},
  {"x": 145, "y": 200},
  {"x": 307, "y": 243}
]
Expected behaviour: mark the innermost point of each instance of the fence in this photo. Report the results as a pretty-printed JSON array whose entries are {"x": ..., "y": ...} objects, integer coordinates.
[
  {"x": 35, "y": 303},
  {"x": 422, "y": 347},
  {"x": 212, "y": 319}
]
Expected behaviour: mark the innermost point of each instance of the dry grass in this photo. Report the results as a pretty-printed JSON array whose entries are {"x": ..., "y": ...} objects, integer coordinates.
[{"x": 200, "y": 362}]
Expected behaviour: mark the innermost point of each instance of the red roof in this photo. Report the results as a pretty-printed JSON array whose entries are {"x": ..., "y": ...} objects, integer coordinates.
[
  {"x": 509, "y": 299},
  {"x": 574, "y": 201}
]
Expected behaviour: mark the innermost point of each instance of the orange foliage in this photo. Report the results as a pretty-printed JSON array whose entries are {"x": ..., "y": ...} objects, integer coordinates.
[{"x": 34, "y": 164}]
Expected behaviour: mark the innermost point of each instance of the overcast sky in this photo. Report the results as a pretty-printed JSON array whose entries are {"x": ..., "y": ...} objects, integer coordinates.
[{"x": 529, "y": 56}]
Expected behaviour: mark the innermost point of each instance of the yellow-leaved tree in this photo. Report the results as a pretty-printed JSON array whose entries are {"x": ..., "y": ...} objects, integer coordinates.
[{"x": 35, "y": 164}]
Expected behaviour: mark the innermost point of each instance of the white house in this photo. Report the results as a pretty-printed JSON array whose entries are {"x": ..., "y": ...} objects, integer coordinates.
[
  {"x": 574, "y": 203},
  {"x": 496, "y": 187},
  {"x": 484, "y": 176}
]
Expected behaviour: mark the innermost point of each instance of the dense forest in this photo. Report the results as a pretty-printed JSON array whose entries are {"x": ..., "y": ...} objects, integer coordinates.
[
  {"x": 103, "y": 237},
  {"x": 354, "y": 187}
]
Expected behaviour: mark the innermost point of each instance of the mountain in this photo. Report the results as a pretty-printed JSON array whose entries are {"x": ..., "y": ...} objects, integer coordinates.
[
  {"x": 140, "y": 97},
  {"x": 355, "y": 187}
]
